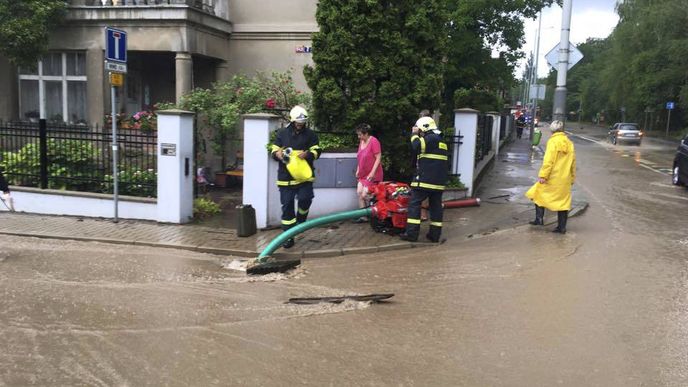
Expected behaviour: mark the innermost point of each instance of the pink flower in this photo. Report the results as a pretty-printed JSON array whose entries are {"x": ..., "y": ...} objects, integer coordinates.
[{"x": 270, "y": 103}]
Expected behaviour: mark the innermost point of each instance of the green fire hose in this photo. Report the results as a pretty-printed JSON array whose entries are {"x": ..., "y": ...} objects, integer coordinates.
[{"x": 298, "y": 229}]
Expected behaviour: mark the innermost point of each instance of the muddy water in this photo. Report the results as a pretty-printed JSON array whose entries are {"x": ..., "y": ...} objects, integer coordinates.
[{"x": 603, "y": 305}]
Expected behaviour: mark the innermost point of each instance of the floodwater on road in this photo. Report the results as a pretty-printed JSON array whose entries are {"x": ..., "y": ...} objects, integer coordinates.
[{"x": 605, "y": 305}]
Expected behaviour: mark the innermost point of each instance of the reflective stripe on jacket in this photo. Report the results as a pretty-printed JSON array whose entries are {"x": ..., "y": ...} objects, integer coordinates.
[
  {"x": 306, "y": 141},
  {"x": 432, "y": 166}
]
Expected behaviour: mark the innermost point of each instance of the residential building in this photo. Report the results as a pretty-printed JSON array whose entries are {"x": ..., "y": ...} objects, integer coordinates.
[{"x": 173, "y": 47}]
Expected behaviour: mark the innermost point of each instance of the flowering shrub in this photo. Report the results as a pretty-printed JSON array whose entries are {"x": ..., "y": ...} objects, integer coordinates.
[
  {"x": 146, "y": 121},
  {"x": 219, "y": 109}
]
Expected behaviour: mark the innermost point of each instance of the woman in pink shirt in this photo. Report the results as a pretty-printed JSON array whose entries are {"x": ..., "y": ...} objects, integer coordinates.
[{"x": 369, "y": 169}]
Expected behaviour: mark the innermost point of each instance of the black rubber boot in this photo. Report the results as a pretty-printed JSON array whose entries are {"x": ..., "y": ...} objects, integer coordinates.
[
  {"x": 288, "y": 244},
  {"x": 562, "y": 217},
  {"x": 411, "y": 233},
  {"x": 539, "y": 216},
  {"x": 434, "y": 233}
]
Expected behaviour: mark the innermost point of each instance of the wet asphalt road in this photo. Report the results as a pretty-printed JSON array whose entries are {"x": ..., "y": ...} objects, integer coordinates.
[{"x": 604, "y": 305}]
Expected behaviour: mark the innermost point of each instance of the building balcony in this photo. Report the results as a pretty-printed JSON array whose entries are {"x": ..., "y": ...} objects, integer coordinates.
[{"x": 217, "y": 8}]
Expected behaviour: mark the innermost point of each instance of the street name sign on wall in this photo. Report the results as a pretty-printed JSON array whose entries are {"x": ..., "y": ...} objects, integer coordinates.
[
  {"x": 574, "y": 56},
  {"x": 116, "y": 67}
]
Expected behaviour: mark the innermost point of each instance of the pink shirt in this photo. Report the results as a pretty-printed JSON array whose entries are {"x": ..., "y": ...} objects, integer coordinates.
[{"x": 366, "y": 160}]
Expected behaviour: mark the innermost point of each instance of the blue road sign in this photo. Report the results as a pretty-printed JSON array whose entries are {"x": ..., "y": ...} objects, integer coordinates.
[
  {"x": 670, "y": 106},
  {"x": 115, "y": 45}
]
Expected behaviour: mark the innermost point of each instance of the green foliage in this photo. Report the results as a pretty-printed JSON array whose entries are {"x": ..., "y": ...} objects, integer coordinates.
[
  {"x": 68, "y": 160},
  {"x": 24, "y": 28},
  {"x": 478, "y": 99},
  {"x": 219, "y": 108},
  {"x": 133, "y": 182},
  {"x": 639, "y": 67},
  {"x": 476, "y": 27},
  {"x": 454, "y": 182},
  {"x": 337, "y": 142},
  {"x": 379, "y": 62},
  {"x": 205, "y": 208}
]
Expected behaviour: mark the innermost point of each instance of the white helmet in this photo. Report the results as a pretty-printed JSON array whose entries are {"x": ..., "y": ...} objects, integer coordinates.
[
  {"x": 298, "y": 114},
  {"x": 426, "y": 123}
]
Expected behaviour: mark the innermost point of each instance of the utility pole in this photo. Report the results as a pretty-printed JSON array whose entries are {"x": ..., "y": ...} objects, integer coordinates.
[
  {"x": 559, "y": 108},
  {"x": 535, "y": 77}
]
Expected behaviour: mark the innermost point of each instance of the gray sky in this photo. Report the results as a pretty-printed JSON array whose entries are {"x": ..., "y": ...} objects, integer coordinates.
[{"x": 589, "y": 18}]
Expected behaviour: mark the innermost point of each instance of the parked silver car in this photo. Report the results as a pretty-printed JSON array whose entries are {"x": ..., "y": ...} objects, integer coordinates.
[{"x": 625, "y": 132}]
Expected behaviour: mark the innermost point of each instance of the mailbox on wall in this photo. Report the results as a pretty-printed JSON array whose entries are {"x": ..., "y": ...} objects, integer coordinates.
[{"x": 335, "y": 170}]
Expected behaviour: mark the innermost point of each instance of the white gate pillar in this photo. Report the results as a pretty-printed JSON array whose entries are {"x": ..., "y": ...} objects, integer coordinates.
[
  {"x": 496, "y": 122},
  {"x": 465, "y": 124},
  {"x": 175, "y": 166},
  {"x": 260, "y": 172}
]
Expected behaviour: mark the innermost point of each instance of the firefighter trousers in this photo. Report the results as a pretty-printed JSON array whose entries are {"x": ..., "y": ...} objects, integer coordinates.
[
  {"x": 418, "y": 195},
  {"x": 304, "y": 194}
]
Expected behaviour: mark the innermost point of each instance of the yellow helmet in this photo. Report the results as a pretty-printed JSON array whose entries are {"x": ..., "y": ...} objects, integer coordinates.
[
  {"x": 298, "y": 114},
  {"x": 426, "y": 123}
]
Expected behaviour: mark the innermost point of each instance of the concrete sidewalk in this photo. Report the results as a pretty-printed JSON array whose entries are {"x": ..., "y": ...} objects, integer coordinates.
[{"x": 501, "y": 191}]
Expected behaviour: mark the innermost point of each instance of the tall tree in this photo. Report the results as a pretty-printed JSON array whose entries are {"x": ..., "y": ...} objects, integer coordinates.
[
  {"x": 380, "y": 62},
  {"x": 475, "y": 28},
  {"x": 641, "y": 65},
  {"x": 24, "y": 28}
]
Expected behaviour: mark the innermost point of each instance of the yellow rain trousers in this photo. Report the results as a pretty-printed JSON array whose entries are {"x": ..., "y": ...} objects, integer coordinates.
[{"x": 559, "y": 169}]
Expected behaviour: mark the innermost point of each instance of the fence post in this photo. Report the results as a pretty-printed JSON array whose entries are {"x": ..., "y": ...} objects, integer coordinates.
[
  {"x": 260, "y": 173},
  {"x": 496, "y": 118},
  {"x": 43, "y": 150},
  {"x": 466, "y": 123},
  {"x": 175, "y": 166}
]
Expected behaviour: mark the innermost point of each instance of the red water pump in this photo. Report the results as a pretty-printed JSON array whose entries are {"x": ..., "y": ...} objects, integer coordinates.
[{"x": 389, "y": 205}]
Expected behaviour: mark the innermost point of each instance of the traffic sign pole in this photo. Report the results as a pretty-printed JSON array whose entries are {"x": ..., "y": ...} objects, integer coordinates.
[
  {"x": 670, "y": 107},
  {"x": 116, "y": 62},
  {"x": 115, "y": 146}
]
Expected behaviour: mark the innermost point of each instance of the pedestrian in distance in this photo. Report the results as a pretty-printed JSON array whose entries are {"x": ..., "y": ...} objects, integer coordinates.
[
  {"x": 369, "y": 168},
  {"x": 296, "y": 147},
  {"x": 552, "y": 190},
  {"x": 5, "y": 193},
  {"x": 429, "y": 180},
  {"x": 520, "y": 124}
]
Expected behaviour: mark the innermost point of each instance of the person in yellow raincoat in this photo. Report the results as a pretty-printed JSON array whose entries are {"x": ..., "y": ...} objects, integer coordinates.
[{"x": 557, "y": 174}]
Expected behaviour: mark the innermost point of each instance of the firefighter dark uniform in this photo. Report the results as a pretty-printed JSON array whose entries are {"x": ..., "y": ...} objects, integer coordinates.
[
  {"x": 429, "y": 181},
  {"x": 291, "y": 189}
]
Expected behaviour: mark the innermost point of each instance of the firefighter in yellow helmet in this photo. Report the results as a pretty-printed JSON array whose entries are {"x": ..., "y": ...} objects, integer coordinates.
[
  {"x": 295, "y": 140},
  {"x": 429, "y": 180}
]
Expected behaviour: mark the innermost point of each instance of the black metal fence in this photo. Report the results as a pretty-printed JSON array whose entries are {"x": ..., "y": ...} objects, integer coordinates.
[
  {"x": 76, "y": 158},
  {"x": 453, "y": 142},
  {"x": 483, "y": 143}
]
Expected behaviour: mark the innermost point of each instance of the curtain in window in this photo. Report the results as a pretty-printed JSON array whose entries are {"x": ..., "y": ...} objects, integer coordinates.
[
  {"x": 29, "y": 100},
  {"x": 53, "y": 101},
  {"x": 76, "y": 102}
]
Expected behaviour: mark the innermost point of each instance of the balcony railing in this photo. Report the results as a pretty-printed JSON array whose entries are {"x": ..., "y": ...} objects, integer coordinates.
[{"x": 207, "y": 6}]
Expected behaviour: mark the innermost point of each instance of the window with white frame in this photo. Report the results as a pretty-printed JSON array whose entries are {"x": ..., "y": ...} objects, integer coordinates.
[{"x": 55, "y": 89}]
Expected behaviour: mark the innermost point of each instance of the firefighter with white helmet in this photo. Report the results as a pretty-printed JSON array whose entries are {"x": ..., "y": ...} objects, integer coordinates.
[
  {"x": 295, "y": 140},
  {"x": 429, "y": 180}
]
